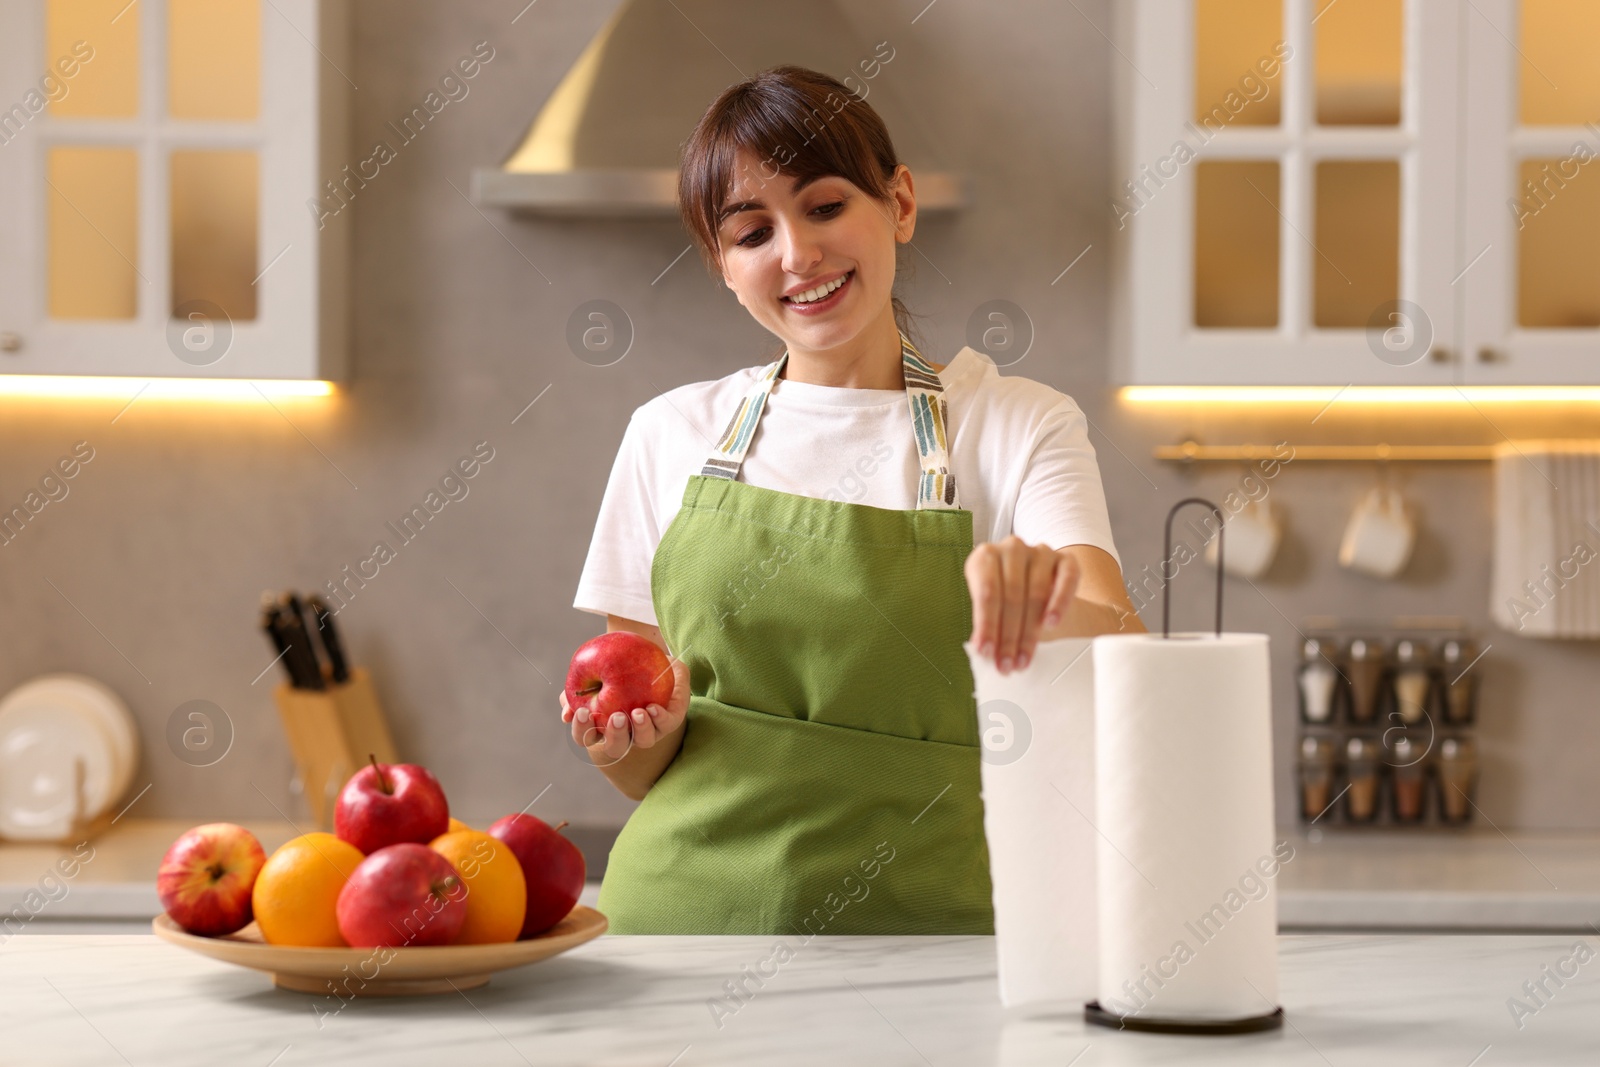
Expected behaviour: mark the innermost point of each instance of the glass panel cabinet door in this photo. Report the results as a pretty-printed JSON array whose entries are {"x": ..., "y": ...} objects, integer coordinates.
[
  {"x": 156, "y": 159},
  {"x": 1360, "y": 62},
  {"x": 1284, "y": 205},
  {"x": 92, "y": 228},
  {"x": 1531, "y": 253}
]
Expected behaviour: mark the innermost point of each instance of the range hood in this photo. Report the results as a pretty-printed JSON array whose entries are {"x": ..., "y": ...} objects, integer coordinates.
[{"x": 606, "y": 143}]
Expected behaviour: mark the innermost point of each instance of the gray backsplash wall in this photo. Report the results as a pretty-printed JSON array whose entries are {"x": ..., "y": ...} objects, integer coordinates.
[{"x": 147, "y": 575}]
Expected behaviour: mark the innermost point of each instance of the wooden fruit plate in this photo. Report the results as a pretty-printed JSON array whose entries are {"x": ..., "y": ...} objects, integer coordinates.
[{"x": 373, "y": 972}]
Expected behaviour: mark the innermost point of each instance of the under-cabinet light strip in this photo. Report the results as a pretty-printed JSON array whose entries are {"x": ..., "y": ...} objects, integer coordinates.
[
  {"x": 1360, "y": 394},
  {"x": 87, "y": 386}
]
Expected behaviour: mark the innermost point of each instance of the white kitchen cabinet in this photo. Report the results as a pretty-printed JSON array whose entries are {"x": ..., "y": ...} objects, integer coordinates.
[
  {"x": 1317, "y": 193},
  {"x": 1532, "y": 301},
  {"x": 161, "y": 167}
]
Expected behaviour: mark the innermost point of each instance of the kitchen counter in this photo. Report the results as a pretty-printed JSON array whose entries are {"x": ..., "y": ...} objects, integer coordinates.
[
  {"x": 1420, "y": 999},
  {"x": 116, "y": 871},
  {"x": 1339, "y": 879},
  {"x": 1476, "y": 879}
]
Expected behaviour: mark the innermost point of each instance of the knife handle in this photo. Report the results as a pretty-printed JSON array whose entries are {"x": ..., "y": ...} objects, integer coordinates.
[
  {"x": 338, "y": 665},
  {"x": 272, "y": 623},
  {"x": 302, "y": 658}
]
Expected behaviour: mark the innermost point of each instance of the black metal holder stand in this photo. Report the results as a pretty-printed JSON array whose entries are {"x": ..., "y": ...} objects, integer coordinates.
[
  {"x": 1166, "y": 556},
  {"x": 1254, "y": 1024}
]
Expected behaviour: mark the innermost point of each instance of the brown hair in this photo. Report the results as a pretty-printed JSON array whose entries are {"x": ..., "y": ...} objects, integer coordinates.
[{"x": 800, "y": 123}]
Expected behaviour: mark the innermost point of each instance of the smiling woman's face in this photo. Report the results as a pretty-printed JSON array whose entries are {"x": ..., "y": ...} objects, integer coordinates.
[{"x": 785, "y": 243}]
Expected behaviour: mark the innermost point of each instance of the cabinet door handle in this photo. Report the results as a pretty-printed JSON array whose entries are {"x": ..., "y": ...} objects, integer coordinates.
[
  {"x": 10, "y": 342},
  {"x": 1442, "y": 355},
  {"x": 1486, "y": 354}
]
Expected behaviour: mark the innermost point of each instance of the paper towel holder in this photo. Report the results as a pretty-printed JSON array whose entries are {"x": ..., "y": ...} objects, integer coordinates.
[
  {"x": 1093, "y": 1012},
  {"x": 1166, "y": 554}
]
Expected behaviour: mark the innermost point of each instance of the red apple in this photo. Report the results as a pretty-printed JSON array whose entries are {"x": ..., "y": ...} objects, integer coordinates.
[
  {"x": 552, "y": 867},
  {"x": 206, "y": 878},
  {"x": 618, "y": 671},
  {"x": 402, "y": 895},
  {"x": 388, "y": 804}
]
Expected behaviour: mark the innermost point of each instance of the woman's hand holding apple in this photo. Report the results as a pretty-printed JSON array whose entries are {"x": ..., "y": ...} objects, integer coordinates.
[{"x": 638, "y": 728}]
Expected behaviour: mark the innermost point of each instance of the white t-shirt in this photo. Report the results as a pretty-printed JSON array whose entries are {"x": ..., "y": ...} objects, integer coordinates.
[{"x": 1019, "y": 449}]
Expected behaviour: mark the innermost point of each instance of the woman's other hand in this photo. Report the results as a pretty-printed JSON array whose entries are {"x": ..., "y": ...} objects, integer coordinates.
[
  {"x": 1023, "y": 594},
  {"x": 1017, "y": 590},
  {"x": 639, "y": 728}
]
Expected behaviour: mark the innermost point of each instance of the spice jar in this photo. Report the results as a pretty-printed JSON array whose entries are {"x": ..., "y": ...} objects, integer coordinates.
[
  {"x": 1458, "y": 683},
  {"x": 1458, "y": 774},
  {"x": 1361, "y": 779},
  {"x": 1364, "y": 666},
  {"x": 1412, "y": 681},
  {"x": 1317, "y": 681},
  {"x": 1407, "y": 776},
  {"x": 1316, "y": 775}
]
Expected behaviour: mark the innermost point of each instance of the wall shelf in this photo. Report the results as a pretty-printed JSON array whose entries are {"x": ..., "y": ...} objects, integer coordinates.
[{"x": 1193, "y": 451}]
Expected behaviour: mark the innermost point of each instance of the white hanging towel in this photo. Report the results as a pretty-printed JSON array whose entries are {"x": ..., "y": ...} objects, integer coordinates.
[{"x": 1546, "y": 575}]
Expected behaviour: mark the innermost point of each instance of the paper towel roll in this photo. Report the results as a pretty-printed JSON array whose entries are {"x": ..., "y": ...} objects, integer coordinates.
[
  {"x": 1183, "y": 771},
  {"x": 1037, "y": 727}
]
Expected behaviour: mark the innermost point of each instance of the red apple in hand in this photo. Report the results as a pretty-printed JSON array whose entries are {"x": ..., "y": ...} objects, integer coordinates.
[
  {"x": 206, "y": 878},
  {"x": 388, "y": 804},
  {"x": 402, "y": 895},
  {"x": 552, "y": 867},
  {"x": 618, "y": 671}
]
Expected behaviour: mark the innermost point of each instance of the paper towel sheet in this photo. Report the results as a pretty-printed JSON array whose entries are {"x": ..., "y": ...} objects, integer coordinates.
[
  {"x": 1187, "y": 868},
  {"x": 1038, "y": 806}
]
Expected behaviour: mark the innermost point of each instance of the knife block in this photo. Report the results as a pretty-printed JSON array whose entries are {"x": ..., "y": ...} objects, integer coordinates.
[{"x": 331, "y": 732}]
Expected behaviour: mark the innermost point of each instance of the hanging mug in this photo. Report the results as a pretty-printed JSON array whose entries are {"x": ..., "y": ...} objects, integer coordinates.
[
  {"x": 1380, "y": 536},
  {"x": 1253, "y": 537}
]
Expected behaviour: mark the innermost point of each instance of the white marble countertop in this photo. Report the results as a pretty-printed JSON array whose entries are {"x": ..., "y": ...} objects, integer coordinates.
[
  {"x": 1373, "y": 999},
  {"x": 1339, "y": 879}
]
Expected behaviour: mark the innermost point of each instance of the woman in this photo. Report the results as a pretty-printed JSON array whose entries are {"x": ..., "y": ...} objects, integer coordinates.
[{"x": 816, "y": 769}]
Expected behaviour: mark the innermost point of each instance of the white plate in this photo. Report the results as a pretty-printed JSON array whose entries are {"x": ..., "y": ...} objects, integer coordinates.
[
  {"x": 97, "y": 699},
  {"x": 105, "y": 705},
  {"x": 49, "y": 727}
]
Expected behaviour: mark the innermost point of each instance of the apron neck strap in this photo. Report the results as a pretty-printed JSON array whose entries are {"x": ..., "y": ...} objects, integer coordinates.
[{"x": 930, "y": 422}]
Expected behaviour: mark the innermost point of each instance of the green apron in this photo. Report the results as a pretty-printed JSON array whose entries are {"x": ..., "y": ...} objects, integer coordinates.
[{"x": 828, "y": 778}]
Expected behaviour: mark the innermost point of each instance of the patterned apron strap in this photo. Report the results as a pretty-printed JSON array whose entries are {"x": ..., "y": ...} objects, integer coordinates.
[
  {"x": 728, "y": 456},
  {"x": 930, "y": 420}
]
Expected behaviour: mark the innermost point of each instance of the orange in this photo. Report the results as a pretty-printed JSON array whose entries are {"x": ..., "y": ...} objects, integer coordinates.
[
  {"x": 497, "y": 893},
  {"x": 456, "y": 824},
  {"x": 297, "y": 891}
]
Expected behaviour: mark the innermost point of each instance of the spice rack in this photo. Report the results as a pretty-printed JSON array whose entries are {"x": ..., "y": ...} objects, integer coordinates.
[{"x": 1387, "y": 714}]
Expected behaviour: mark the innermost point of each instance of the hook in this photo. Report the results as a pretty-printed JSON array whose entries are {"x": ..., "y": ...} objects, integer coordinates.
[{"x": 1166, "y": 589}]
